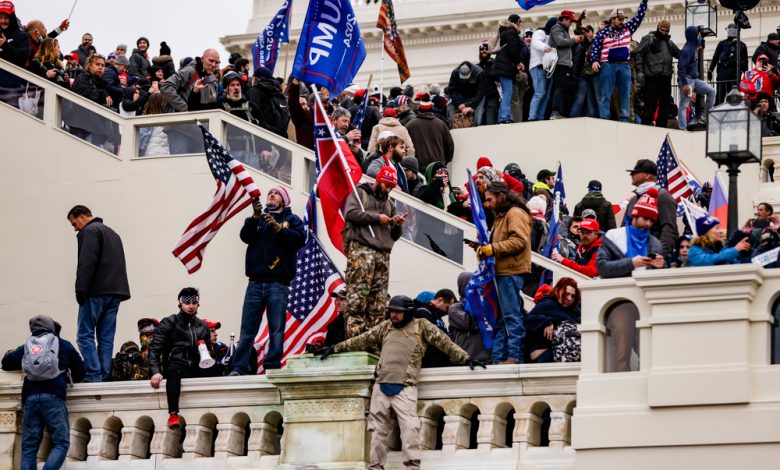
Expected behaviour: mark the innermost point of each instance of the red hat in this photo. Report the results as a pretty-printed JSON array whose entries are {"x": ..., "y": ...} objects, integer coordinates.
[
  {"x": 7, "y": 7},
  {"x": 73, "y": 56},
  {"x": 390, "y": 112},
  {"x": 646, "y": 206},
  {"x": 212, "y": 324},
  {"x": 388, "y": 176},
  {"x": 569, "y": 14},
  {"x": 590, "y": 224},
  {"x": 422, "y": 96},
  {"x": 361, "y": 93},
  {"x": 483, "y": 161},
  {"x": 426, "y": 105}
]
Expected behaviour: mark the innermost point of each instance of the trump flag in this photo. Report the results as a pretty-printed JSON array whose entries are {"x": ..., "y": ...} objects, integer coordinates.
[{"x": 265, "y": 49}]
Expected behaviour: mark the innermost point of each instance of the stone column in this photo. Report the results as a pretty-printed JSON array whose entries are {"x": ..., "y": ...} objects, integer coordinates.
[
  {"x": 230, "y": 441},
  {"x": 456, "y": 433},
  {"x": 165, "y": 443},
  {"x": 78, "y": 445},
  {"x": 197, "y": 441},
  {"x": 491, "y": 433},
  {"x": 428, "y": 428},
  {"x": 134, "y": 443},
  {"x": 263, "y": 440},
  {"x": 528, "y": 430},
  {"x": 103, "y": 444},
  {"x": 560, "y": 429},
  {"x": 325, "y": 407}
]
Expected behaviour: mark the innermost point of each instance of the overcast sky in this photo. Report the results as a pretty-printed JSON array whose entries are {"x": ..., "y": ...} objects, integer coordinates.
[{"x": 188, "y": 26}]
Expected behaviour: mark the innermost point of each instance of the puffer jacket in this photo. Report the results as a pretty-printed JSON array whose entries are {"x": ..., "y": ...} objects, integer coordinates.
[
  {"x": 176, "y": 342},
  {"x": 511, "y": 242},
  {"x": 358, "y": 221},
  {"x": 505, "y": 64},
  {"x": 603, "y": 208},
  {"x": 655, "y": 55},
  {"x": 393, "y": 125}
]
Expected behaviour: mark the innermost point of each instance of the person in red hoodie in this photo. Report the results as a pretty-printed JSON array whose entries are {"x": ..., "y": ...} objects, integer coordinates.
[
  {"x": 590, "y": 241},
  {"x": 762, "y": 78}
]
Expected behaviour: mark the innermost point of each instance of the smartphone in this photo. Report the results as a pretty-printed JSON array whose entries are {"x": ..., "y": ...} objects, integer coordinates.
[
  {"x": 466, "y": 241},
  {"x": 652, "y": 255}
]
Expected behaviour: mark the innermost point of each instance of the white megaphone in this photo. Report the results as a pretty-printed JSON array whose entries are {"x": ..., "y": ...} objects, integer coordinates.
[{"x": 205, "y": 358}]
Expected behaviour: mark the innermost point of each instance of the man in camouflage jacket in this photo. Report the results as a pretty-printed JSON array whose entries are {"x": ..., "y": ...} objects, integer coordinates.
[{"x": 403, "y": 340}]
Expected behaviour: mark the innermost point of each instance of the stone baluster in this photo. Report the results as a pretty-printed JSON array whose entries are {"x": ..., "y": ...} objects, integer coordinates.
[
  {"x": 457, "y": 431},
  {"x": 491, "y": 433},
  {"x": 560, "y": 429},
  {"x": 165, "y": 443},
  {"x": 263, "y": 440},
  {"x": 428, "y": 428},
  {"x": 103, "y": 444},
  {"x": 230, "y": 440},
  {"x": 134, "y": 443},
  {"x": 528, "y": 430},
  {"x": 78, "y": 445},
  {"x": 197, "y": 441}
]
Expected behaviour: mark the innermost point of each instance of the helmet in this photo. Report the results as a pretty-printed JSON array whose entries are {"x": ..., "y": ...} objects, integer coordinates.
[
  {"x": 513, "y": 170},
  {"x": 707, "y": 187},
  {"x": 229, "y": 77},
  {"x": 401, "y": 303}
]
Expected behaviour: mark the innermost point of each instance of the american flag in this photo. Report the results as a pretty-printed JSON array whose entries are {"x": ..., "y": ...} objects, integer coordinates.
[
  {"x": 235, "y": 190},
  {"x": 360, "y": 114},
  {"x": 670, "y": 176},
  {"x": 310, "y": 309}
]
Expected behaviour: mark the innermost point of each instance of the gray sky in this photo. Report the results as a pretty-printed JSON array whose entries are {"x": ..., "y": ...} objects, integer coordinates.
[{"x": 188, "y": 26}]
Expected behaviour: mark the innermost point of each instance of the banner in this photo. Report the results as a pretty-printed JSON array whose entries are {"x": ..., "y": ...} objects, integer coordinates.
[
  {"x": 265, "y": 49},
  {"x": 392, "y": 39}
]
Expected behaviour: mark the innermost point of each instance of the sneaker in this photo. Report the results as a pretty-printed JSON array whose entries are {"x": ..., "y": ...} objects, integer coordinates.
[
  {"x": 233, "y": 373},
  {"x": 555, "y": 116},
  {"x": 174, "y": 422}
]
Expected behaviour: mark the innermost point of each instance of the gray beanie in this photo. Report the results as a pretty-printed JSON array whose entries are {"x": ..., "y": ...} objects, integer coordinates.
[
  {"x": 122, "y": 60},
  {"x": 122, "y": 46},
  {"x": 40, "y": 324},
  {"x": 411, "y": 164}
]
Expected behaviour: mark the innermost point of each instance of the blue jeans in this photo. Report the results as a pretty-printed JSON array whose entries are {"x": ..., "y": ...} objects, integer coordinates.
[
  {"x": 698, "y": 87},
  {"x": 609, "y": 75},
  {"x": 586, "y": 98},
  {"x": 505, "y": 108},
  {"x": 510, "y": 330},
  {"x": 44, "y": 410},
  {"x": 541, "y": 94},
  {"x": 97, "y": 318},
  {"x": 269, "y": 297}
]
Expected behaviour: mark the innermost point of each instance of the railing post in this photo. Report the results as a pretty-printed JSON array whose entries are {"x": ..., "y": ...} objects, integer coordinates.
[
  {"x": 492, "y": 430},
  {"x": 428, "y": 428},
  {"x": 134, "y": 443},
  {"x": 560, "y": 429},
  {"x": 78, "y": 445},
  {"x": 165, "y": 443},
  {"x": 8, "y": 433},
  {"x": 102, "y": 444},
  {"x": 230, "y": 440},
  {"x": 456, "y": 433},
  {"x": 528, "y": 430},
  {"x": 263, "y": 440},
  {"x": 197, "y": 442}
]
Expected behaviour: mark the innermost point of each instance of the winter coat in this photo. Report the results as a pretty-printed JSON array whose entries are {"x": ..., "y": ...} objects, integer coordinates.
[
  {"x": 101, "y": 262},
  {"x": 270, "y": 255},
  {"x": 614, "y": 44},
  {"x": 505, "y": 63},
  {"x": 611, "y": 258},
  {"x": 165, "y": 62},
  {"x": 665, "y": 228},
  {"x": 487, "y": 67},
  {"x": 470, "y": 91},
  {"x": 40, "y": 69},
  {"x": 16, "y": 48},
  {"x": 655, "y": 55},
  {"x": 725, "y": 59},
  {"x": 370, "y": 121},
  {"x": 139, "y": 64},
  {"x": 242, "y": 109},
  {"x": 547, "y": 312},
  {"x": 91, "y": 87},
  {"x": 393, "y": 125},
  {"x": 69, "y": 362},
  {"x": 560, "y": 40},
  {"x": 175, "y": 342},
  {"x": 585, "y": 262},
  {"x": 302, "y": 119},
  {"x": 688, "y": 64},
  {"x": 114, "y": 89},
  {"x": 603, "y": 208},
  {"x": 510, "y": 238},
  {"x": 358, "y": 221},
  {"x": 178, "y": 94},
  {"x": 431, "y": 193},
  {"x": 464, "y": 329},
  {"x": 431, "y": 138},
  {"x": 770, "y": 50},
  {"x": 131, "y": 105},
  {"x": 699, "y": 256},
  {"x": 376, "y": 162},
  {"x": 266, "y": 94}
]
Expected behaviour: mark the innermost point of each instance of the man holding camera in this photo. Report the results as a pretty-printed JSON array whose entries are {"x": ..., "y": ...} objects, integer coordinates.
[
  {"x": 342, "y": 122},
  {"x": 770, "y": 126},
  {"x": 273, "y": 236}
]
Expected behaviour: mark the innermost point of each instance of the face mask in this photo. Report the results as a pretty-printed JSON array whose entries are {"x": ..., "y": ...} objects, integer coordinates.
[{"x": 146, "y": 339}]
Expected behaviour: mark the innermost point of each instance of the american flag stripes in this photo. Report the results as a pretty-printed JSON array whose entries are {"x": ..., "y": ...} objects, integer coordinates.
[
  {"x": 670, "y": 175},
  {"x": 235, "y": 190},
  {"x": 310, "y": 309}
]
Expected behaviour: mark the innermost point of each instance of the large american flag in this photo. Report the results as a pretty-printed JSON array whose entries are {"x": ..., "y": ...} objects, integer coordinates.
[
  {"x": 235, "y": 190},
  {"x": 310, "y": 309},
  {"x": 670, "y": 175}
]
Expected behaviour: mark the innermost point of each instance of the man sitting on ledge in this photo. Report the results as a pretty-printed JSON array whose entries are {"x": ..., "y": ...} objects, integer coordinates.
[{"x": 403, "y": 340}]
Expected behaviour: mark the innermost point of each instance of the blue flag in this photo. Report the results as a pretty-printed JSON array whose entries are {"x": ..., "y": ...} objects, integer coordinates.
[
  {"x": 481, "y": 295},
  {"x": 360, "y": 114},
  {"x": 528, "y": 4},
  {"x": 331, "y": 49},
  {"x": 265, "y": 49}
]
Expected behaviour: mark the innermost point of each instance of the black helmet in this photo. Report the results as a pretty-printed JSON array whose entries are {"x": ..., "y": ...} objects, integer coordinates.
[
  {"x": 513, "y": 170},
  {"x": 229, "y": 77},
  {"x": 401, "y": 303}
]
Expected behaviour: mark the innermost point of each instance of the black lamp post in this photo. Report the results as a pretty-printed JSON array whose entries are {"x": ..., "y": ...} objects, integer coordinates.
[{"x": 733, "y": 138}]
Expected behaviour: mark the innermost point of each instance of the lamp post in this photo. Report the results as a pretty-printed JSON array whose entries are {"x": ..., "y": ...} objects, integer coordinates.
[
  {"x": 733, "y": 138},
  {"x": 700, "y": 13}
]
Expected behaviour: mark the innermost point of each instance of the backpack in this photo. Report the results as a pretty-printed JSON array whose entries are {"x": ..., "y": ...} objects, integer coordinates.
[
  {"x": 41, "y": 360},
  {"x": 277, "y": 114},
  {"x": 494, "y": 44}
]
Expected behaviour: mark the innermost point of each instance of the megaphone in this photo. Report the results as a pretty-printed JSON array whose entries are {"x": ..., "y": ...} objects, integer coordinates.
[{"x": 206, "y": 360}]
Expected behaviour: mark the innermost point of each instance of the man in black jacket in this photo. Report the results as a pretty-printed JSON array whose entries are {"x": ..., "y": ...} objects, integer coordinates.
[
  {"x": 468, "y": 87},
  {"x": 273, "y": 236},
  {"x": 44, "y": 400},
  {"x": 101, "y": 284},
  {"x": 505, "y": 65},
  {"x": 14, "y": 44},
  {"x": 487, "y": 111},
  {"x": 770, "y": 48},
  {"x": 725, "y": 59},
  {"x": 266, "y": 93},
  {"x": 176, "y": 342},
  {"x": 654, "y": 58}
]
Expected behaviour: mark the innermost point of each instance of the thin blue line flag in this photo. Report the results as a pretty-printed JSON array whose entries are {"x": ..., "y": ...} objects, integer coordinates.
[
  {"x": 481, "y": 295},
  {"x": 331, "y": 49},
  {"x": 265, "y": 49},
  {"x": 528, "y": 4}
]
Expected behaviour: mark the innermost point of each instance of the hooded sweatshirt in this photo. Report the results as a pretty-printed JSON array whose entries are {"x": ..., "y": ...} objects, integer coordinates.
[
  {"x": 432, "y": 193},
  {"x": 688, "y": 64},
  {"x": 464, "y": 329}
]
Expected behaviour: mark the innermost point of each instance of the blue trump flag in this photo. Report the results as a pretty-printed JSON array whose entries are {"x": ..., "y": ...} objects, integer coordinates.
[
  {"x": 481, "y": 295},
  {"x": 331, "y": 49},
  {"x": 265, "y": 49},
  {"x": 528, "y": 4}
]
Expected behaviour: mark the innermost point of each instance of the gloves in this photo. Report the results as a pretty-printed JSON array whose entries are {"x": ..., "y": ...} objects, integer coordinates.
[
  {"x": 257, "y": 207},
  {"x": 81, "y": 297},
  {"x": 485, "y": 251},
  {"x": 709, "y": 75},
  {"x": 271, "y": 222},
  {"x": 325, "y": 352},
  {"x": 473, "y": 363}
]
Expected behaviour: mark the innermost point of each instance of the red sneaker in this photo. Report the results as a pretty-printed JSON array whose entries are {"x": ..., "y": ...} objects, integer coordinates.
[{"x": 173, "y": 421}]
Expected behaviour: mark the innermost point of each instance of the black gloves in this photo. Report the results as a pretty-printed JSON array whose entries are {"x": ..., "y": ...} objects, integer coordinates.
[
  {"x": 709, "y": 75},
  {"x": 473, "y": 363},
  {"x": 325, "y": 352},
  {"x": 437, "y": 183},
  {"x": 257, "y": 207},
  {"x": 271, "y": 222},
  {"x": 81, "y": 297}
]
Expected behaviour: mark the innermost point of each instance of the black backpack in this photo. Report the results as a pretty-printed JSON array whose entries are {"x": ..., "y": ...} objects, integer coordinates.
[{"x": 277, "y": 114}]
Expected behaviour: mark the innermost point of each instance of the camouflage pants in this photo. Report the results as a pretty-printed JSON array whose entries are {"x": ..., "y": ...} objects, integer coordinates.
[{"x": 368, "y": 275}]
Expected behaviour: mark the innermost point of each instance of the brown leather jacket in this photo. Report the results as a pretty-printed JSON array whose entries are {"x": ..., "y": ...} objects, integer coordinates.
[{"x": 511, "y": 241}]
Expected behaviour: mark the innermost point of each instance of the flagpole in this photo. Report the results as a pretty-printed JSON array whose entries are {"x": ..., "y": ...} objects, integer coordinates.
[
  {"x": 325, "y": 254},
  {"x": 342, "y": 158},
  {"x": 286, "y": 59},
  {"x": 381, "y": 71}
]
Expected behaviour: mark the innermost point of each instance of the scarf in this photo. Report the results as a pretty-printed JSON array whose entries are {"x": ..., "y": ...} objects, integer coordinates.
[{"x": 636, "y": 241}]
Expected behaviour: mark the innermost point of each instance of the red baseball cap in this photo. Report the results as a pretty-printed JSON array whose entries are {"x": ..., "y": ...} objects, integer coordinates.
[
  {"x": 211, "y": 324},
  {"x": 590, "y": 224},
  {"x": 569, "y": 14},
  {"x": 388, "y": 176},
  {"x": 73, "y": 56},
  {"x": 7, "y": 7}
]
